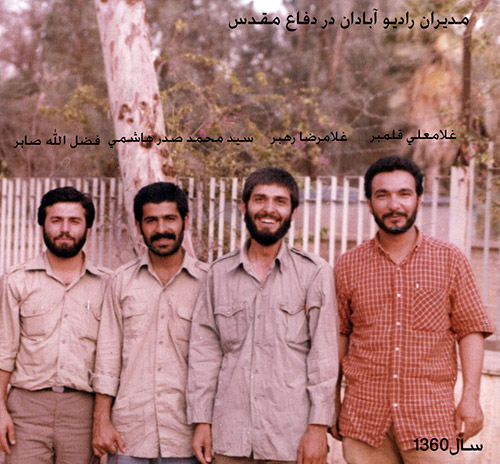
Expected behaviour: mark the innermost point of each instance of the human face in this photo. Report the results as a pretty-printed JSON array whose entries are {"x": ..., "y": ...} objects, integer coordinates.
[
  {"x": 162, "y": 228},
  {"x": 394, "y": 202},
  {"x": 65, "y": 229},
  {"x": 268, "y": 214}
]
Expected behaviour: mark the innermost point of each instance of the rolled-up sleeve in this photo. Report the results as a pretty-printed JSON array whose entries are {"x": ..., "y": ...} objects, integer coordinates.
[
  {"x": 9, "y": 325},
  {"x": 322, "y": 360},
  {"x": 205, "y": 355},
  {"x": 106, "y": 376}
]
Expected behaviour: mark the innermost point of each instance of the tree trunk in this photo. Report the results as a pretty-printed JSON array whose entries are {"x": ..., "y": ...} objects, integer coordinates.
[
  {"x": 464, "y": 154},
  {"x": 134, "y": 98}
]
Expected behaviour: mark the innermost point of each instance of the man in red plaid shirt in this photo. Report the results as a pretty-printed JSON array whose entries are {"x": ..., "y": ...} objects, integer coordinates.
[{"x": 405, "y": 299}]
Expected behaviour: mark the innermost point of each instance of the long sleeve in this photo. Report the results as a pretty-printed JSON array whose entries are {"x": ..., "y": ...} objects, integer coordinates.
[{"x": 205, "y": 356}]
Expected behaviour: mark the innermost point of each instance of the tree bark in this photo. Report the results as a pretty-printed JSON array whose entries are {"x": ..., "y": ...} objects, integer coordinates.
[
  {"x": 134, "y": 98},
  {"x": 464, "y": 154}
]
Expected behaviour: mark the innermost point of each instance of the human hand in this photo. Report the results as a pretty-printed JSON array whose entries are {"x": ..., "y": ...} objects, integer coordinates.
[
  {"x": 469, "y": 413},
  {"x": 202, "y": 443},
  {"x": 106, "y": 439},
  {"x": 313, "y": 448},
  {"x": 7, "y": 435}
]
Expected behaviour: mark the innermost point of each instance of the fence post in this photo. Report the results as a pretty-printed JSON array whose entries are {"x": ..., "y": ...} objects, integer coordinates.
[{"x": 459, "y": 205}]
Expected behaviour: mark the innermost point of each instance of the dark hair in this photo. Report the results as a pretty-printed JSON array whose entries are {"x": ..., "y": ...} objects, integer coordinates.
[
  {"x": 157, "y": 193},
  {"x": 390, "y": 164},
  {"x": 269, "y": 176},
  {"x": 67, "y": 194}
]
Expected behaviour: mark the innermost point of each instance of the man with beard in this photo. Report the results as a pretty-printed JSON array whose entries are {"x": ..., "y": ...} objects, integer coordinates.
[
  {"x": 143, "y": 340},
  {"x": 49, "y": 317},
  {"x": 263, "y": 352},
  {"x": 404, "y": 300}
]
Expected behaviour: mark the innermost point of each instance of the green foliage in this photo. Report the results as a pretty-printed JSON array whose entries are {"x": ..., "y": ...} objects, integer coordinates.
[{"x": 259, "y": 81}]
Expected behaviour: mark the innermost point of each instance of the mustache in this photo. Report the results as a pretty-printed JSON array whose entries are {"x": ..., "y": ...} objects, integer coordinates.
[
  {"x": 266, "y": 215},
  {"x": 388, "y": 215},
  {"x": 64, "y": 235},
  {"x": 165, "y": 235}
]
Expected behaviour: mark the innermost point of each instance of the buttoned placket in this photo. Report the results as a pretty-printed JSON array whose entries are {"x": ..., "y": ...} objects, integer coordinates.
[
  {"x": 257, "y": 331},
  {"x": 65, "y": 333},
  {"x": 164, "y": 306},
  {"x": 397, "y": 335}
]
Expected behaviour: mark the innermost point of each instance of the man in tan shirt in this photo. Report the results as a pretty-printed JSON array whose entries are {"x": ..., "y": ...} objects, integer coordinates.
[
  {"x": 143, "y": 340},
  {"x": 263, "y": 347},
  {"x": 49, "y": 317}
]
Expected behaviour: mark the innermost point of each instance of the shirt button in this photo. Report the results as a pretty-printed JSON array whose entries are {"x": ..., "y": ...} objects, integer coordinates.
[
  {"x": 395, "y": 376},
  {"x": 399, "y": 295},
  {"x": 65, "y": 316},
  {"x": 161, "y": 342},
  {"x": 162, "y": 316},
  {"x": 63, "y": 342},
  {"x": 398, "y": 323},
  {"x": 397, "y": 348},
  {"x": 395, "y": 405},
  {"x": 159, "y": 369}
]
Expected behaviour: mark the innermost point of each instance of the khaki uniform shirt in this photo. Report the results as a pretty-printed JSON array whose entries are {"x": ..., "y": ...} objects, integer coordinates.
[
  {"x": 142, "y": 356},
  {"x": 263, "y": 355},
  {"x": 48, "y": 330}
]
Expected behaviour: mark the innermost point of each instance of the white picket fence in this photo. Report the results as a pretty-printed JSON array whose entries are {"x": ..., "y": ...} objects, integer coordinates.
[{"x": 333, "y": 217}]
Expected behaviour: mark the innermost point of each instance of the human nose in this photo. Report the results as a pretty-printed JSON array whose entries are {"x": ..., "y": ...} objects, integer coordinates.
[
  {"x": 162, "y": 226},
  {"x": 269, "y": 205},
  {"x": 394, "y": 202},
  {"x": 65, "y": 225}
]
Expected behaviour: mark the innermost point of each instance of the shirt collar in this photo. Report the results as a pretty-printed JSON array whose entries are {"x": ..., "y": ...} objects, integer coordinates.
[
  {"x": 41, "y": 263},
  {"x": 282, "y": 258},
  {"x": 189, "y": 264},
  {"x": 418, "y": 244}
]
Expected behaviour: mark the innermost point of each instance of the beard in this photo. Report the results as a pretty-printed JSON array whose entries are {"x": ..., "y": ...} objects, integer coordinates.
[
  {"x": 266, "y": 238},
  {"x": 64, "y": 250},
  {"x": 168, "y": 251},
  {"x": 396, "y": 230}
]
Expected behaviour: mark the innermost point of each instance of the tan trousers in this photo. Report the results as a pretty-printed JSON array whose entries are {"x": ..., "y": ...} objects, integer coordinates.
[
  {"x": 358, "y": 452},
  {"x": 221, "y": 459},
  {"x": 51, "y": 427}
]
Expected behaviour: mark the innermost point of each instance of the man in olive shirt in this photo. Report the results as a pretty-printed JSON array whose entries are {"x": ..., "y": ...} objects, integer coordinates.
[
  {"x": 263, "y": 347},
  {"x": 49, "y": 318},
  {"x": 143, "y": 340}
]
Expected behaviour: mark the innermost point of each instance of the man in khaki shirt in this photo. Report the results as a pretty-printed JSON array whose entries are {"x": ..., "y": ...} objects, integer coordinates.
[
  {"x": 143, "y": 340},
  {"x": 263, "y": 347},
  {"x": 49, "y": 317}
]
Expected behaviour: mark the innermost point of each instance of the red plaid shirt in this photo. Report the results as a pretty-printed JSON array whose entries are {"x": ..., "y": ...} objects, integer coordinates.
[{"x": 403, "y": 321}]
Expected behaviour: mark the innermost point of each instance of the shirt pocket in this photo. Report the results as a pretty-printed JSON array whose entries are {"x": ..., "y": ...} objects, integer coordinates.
[
  {"x": 85, "y": 315},
  {"x": 134, "y": 318},
  {"x": 430, "y": 310},
  {"x": 232, "y": 322},
  {"x": 182, "y": 323},
  {"x": 294, "y": 323},
  {"x": 37, "y": 319},
  {"x": 93, "y": 317}
]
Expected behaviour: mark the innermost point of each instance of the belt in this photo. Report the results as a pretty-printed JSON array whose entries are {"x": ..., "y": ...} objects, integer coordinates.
[{"x": 60, "y": 389}]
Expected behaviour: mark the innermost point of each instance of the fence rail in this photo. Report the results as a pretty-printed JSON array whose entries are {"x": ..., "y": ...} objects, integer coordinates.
[{"x": 333, "y": 217}]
